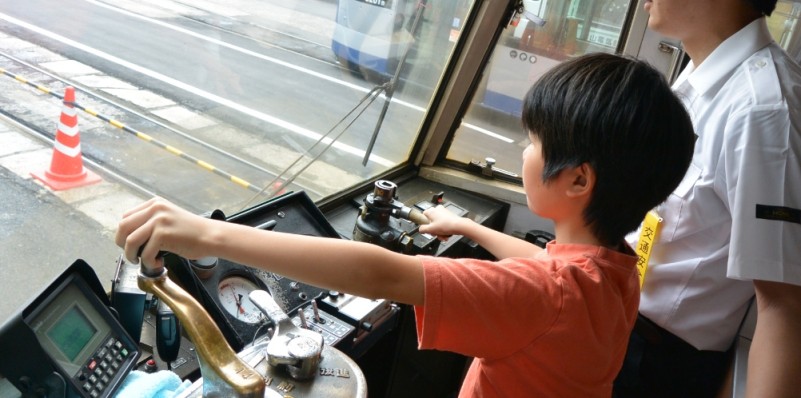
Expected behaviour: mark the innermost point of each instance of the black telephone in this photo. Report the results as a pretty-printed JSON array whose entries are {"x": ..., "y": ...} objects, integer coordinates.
[{"x": 66, "y": 342}]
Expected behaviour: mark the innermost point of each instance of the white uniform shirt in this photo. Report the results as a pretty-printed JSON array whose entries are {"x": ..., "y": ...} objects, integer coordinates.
[{"x": 735, "y": 217}]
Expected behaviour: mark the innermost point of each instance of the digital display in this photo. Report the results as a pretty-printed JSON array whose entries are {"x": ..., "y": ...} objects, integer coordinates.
[{"x": 72, "y": 332}]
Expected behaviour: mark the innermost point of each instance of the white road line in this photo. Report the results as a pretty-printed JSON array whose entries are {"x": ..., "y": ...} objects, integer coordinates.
[
  {"x": 194, "y": 90},
  {"x": 489, "y": 133},
  {"x": 226, "y": 102},
  {"x": 286, "y": 65}
]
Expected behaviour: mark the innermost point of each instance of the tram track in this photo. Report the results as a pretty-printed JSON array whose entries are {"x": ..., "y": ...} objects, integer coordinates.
[
  {"x": 131, "y": 111},
  {"x": 33, "y": 131},
  {"x": 157, "y": 129},
  {"x": 287, "y": 131}
]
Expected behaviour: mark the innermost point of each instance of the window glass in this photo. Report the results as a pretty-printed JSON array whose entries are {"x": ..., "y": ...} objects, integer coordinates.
[
  {"x": 227, "y": 103},
  {"x": 554, "y": 31},
  {"x": 783, "y": 25}
]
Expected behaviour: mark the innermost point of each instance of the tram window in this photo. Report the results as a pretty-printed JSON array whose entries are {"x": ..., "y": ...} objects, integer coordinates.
[
  {"x": 784, "y": 27},
  {"x": 492, "y": 127},
  {"x": 271, "y": 95}
]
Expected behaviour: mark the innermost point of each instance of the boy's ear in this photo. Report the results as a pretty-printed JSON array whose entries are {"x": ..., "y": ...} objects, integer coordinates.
[{"x": 583, "y": 180}]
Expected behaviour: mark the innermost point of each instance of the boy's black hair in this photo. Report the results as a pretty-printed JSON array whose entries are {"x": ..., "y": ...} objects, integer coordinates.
[
  {"x": 619, "y": 115},
  {"x": 766, "y": 7}
]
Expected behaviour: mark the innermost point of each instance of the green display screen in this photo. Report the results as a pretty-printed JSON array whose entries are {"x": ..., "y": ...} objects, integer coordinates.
[{"x": 72, "y": 332}]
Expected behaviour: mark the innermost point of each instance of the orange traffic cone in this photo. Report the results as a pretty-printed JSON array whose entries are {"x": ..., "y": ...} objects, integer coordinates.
[{"x": 66, "y": 167}]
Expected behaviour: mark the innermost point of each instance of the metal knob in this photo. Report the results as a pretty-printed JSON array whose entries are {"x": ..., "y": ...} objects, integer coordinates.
[{"x": 295, "y": 348}]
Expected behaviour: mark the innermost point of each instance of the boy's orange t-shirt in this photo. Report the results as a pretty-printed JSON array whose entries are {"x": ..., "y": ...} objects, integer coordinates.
[{"x": 556, "y": 325}]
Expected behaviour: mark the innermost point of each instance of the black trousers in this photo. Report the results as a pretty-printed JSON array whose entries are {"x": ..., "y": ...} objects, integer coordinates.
[{"x": 659, "y": 364}]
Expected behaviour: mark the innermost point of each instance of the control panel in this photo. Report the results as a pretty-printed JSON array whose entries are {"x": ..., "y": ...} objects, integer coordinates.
[
  {"x": 388, "y": 217},
  {"x": 333, "y": 329},
  {"x": 222, "y": 287}
]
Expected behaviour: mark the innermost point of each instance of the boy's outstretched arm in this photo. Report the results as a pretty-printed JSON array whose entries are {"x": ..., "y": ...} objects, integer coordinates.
[
  {"x": 444, "y": 224},
  {"x": 354, "y": 267}
]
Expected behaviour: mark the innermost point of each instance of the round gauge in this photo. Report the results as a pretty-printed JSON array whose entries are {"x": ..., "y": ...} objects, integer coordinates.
[{"x": 233, "y": 294}]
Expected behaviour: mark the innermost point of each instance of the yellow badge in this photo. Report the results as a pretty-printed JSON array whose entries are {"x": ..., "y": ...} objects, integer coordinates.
[{"x": 648, "y": 234}]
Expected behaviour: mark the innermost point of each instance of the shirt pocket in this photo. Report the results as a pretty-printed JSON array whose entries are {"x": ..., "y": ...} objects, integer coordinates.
[{"x": 677, "y": 205}]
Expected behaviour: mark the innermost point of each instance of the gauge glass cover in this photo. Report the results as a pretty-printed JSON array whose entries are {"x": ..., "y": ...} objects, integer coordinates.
[{"x": 233, "y": 294}]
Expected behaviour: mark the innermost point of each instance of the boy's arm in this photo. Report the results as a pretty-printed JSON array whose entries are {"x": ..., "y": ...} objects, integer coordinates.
[
  {"x": 444, "y": 224},
  {"x": 358, "y": 268}
]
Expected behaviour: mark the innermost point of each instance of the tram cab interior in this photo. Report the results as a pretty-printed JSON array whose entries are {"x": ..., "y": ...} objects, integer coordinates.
[{"x": 296, "y": 116}]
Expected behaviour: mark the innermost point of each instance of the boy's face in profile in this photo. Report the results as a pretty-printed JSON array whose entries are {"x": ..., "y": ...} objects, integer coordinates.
[{"x": 541, "y": 197}]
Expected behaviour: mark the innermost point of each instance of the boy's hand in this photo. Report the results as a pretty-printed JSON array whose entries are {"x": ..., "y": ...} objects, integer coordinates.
[
  {"x": 443, "y": 223},
  {"x": 158, "y": 225}
]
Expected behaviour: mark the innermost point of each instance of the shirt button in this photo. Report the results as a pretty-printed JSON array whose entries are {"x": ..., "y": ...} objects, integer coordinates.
[{"x": 761, "y": 63}]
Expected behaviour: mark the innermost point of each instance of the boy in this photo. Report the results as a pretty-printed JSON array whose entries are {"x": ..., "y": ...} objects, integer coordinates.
[{"x": 550, "y": 322}]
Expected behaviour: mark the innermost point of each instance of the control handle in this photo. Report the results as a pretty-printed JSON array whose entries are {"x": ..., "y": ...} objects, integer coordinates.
[
  {"x": 224, "y": 373},
  {"x": 299, "y": 350},
  {"x": 411, "y": 214}
]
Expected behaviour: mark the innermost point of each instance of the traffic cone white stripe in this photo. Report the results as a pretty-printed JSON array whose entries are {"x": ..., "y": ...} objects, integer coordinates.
[
  {"x": 69, "y": 151},
  {"x": 69, "y": 111},
  {"x": 71, "y": 131}
]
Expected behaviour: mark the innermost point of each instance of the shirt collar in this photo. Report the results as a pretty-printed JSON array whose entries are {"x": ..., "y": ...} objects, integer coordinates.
[
  {"x": 726, "y": 57},
  {"x": 556, "y": 249}
]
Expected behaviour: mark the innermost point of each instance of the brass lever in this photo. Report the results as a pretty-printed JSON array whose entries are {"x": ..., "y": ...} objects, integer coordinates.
[{"x": 224, "y": 373}]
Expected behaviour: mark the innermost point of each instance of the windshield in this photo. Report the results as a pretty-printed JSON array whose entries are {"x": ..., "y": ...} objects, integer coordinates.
[{"x": 224, "y": 104}]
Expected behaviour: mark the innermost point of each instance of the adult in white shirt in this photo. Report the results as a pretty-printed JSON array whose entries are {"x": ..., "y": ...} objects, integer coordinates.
[{"x": 732, "y": 229}]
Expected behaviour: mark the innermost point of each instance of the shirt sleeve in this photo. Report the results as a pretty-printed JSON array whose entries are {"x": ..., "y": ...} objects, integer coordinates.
[
  {"x": 761, "y": 158},
  {"x": 486, "y": 309}
]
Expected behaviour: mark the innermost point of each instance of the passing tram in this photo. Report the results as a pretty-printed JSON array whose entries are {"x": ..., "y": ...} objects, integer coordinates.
[
  {"x": 372, "y": 37},
  {"x": 296, "y": 116}
]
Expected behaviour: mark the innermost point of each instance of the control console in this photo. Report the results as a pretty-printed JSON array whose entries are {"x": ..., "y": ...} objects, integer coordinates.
[{"x": 222, "y": 287}]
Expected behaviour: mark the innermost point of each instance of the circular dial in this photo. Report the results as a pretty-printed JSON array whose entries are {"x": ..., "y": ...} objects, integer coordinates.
[{"x": 233, "y": 294}]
